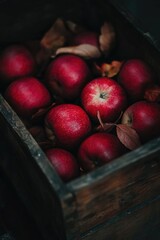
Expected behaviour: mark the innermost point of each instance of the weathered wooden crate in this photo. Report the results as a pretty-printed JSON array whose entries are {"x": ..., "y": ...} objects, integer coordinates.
[{"x": 117, "y": 201}]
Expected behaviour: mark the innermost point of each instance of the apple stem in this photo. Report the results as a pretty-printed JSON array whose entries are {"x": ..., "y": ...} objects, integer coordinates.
[
  {"x": 100, "y": 120},
  {"x": 107, "y": 126},
  {"x": 103, "y": 95}
]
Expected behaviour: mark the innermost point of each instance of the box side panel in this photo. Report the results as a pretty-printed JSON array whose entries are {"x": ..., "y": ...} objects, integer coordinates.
[
  {"x": 101, "y": 199},
  {"x": 130, "y": 186},
  {"x": 31, "y": 186},
  {"x": 31, "y": 174},
  {"x": 141, "y": 223}
]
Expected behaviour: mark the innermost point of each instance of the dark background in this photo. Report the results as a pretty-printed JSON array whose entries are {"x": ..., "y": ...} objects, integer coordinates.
[
  {"x": 145, "y": 14},
  {"x": 21, "y": 20}
]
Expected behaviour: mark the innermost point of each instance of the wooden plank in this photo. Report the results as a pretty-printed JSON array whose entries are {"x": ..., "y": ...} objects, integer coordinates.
[
  {"x": 141, "y": 223},
  {"x": 118, "y": 186},
  {"x": 33, "y": 177},
  {"x": 40, "y": 200},
  {"x": 100, "y": 197}
]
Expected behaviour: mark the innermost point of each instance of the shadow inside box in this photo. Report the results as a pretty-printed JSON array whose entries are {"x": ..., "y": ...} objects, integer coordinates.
[
  {"x": 6, "y": 236},
  {"x": 15, "y": 221}
]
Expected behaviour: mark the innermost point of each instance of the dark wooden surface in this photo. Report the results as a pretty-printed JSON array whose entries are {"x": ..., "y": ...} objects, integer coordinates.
[
  {"x": 33, "y": 187},
  {"x": 129, "y": 192}
]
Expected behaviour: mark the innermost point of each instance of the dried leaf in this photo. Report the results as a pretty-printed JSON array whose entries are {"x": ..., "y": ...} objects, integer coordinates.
[
  {"x": 107, "y": 38},
  {"x": 41, "y": 112},
  {"x": 53, "y": 39},
  {"x": 83, "y": 50},
  {"x": 39, "y": 135},
  {"x": 103, "y": 126},
  {"x": 128, "y": 136},
  {"x": 106, "y": 126},
  {"x": 56, "y": 36},
  {"x": 109, "y": 69},
  {"x": 152, "y": 94}
]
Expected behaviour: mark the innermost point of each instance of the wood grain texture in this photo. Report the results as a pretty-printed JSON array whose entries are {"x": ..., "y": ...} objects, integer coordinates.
[
  {"x": 23, "y": 164},
  {"x": 34, "y": 178},
  {"x": 122, "y": 185},
  {"x": 141, "y": 223}
]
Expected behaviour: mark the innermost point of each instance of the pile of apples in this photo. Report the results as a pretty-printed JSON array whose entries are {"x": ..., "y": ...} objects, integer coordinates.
[{"x": 83, "y": 111}]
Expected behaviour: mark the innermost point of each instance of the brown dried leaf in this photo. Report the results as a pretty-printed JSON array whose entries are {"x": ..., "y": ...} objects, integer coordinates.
[
  {"x": 56, "y": 36},
  {"x": 41, "y": 112},
  {"x": 53, "y": 39},
  {"x": 152, "y": 94},
  {"x": 106, "y": 126},
  {"x": 110, "y": 69},
  {"x": 103, "y": 126},
  {"x": 128, "y": 136},
  {"x": 83, "y": 50},
  {"x": 107, "y": 38}
]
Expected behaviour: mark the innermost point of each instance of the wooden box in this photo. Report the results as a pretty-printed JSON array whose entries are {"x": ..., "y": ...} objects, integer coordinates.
[{"x": 117, "y": 201}]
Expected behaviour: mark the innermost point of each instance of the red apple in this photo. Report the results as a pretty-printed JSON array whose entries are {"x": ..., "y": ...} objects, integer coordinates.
[
  {"x": 67, "y": 125},
  {"x": 106, "y": 96},
  {"x": 89, "y": 44},
  {"x": 27, "y": 96},
  {"x": 64, "y": 162},
  {"x": 66, "y": 75},
  {"x": 136, "y": 76},
  {"x": 98, "y": 149},
  {"x": 86, "y": 37},
  {"x": 144, "y": 117},
  {"x": 16, "y": 61}
]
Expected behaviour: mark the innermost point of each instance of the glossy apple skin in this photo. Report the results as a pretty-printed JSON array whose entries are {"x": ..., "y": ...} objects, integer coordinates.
[
  {"x": 66, "y": 75},
  {"x": 16, "y": 61},
  {"x": 27, "y": 95},
  {"x": 99, "y": 149},
  {"x": 135, "y": 76},
  {"x": 106, "y": 96},
  {"x": 144, "y": 117},
  {"x": 64, "y": 162},
  {"x": 67, "y": 125},
  {"x": 86, "y": 37}
]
